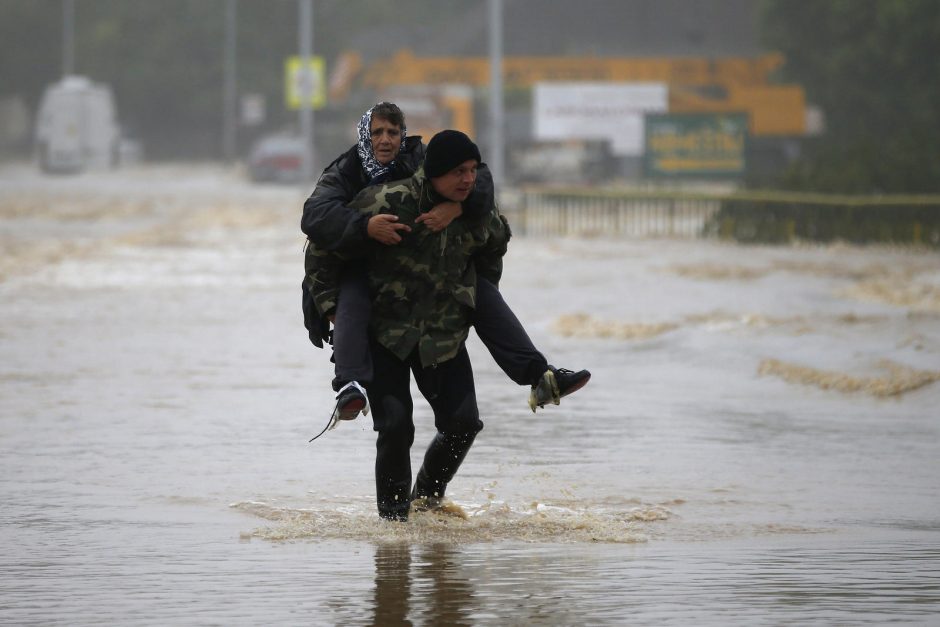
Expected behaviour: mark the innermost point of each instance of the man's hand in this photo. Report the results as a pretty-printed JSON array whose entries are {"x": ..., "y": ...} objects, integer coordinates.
[
  {"x": 440, "y": 216},
  {"x": 382, "y": 228}
]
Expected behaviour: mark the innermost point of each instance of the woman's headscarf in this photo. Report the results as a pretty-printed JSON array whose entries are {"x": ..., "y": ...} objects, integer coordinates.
[{"x": 375, "y": 171}]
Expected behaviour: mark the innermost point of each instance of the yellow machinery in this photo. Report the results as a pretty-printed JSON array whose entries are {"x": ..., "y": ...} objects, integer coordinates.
[{"x": 696, "y": 85}]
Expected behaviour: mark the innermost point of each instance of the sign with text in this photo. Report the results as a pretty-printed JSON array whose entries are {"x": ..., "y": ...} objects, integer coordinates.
[
  {"x": 597, "y": 111},
  {"x": 696, "y": 145}
]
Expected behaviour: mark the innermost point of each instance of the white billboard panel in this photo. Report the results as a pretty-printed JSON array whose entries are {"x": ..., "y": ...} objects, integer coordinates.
[{"x": 603, "y": 111}]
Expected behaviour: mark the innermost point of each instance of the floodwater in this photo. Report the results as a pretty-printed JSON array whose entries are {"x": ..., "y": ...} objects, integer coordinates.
[{"x": 758, "y": 445}]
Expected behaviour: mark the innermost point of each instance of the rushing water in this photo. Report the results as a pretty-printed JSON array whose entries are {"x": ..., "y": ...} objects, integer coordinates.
[{"x": 758, "y": 444}]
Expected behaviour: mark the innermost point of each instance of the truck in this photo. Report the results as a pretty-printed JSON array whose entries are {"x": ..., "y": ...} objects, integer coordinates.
[{"x": 76, "y": 128}]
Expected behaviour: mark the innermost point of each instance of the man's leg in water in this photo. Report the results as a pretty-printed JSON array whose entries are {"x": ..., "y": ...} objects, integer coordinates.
[
  {"x": 449, "y": 389},
  {"x": 392, "y": 419}
]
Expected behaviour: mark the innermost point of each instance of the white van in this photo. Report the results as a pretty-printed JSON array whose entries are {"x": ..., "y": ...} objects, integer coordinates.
[{"x": 76, "y": 128}]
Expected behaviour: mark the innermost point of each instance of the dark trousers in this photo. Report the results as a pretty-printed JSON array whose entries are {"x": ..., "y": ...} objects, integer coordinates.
[
  {"x": 449, "y": 390},
  {"x": 504, "y": 336},
  {"x": 351, "y": 328},
  {"x": 495, "y": 324}
]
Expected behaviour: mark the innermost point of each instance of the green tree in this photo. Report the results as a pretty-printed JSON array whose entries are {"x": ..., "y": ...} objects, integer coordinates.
[{"x": 871, "y": 65}]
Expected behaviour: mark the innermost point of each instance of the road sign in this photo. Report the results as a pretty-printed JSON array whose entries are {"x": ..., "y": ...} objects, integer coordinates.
[{"x": 305, "y": 84}]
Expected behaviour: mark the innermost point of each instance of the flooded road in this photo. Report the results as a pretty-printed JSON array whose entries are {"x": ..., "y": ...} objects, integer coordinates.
[{"x": 758, "y": 444}]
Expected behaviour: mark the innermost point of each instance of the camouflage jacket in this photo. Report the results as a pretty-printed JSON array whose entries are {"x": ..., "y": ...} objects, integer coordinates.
[{"x": 423, "y": 288}]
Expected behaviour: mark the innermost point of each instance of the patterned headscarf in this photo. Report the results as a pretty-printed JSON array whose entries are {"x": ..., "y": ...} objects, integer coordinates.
[{"x": 374, "y": 170}]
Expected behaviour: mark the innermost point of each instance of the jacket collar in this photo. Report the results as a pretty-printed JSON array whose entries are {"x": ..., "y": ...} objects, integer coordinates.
[{"x": 427, "y": 197}]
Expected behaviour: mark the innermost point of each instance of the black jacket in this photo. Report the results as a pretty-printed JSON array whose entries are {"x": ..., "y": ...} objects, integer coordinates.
[{"x": 331, "y": 225}]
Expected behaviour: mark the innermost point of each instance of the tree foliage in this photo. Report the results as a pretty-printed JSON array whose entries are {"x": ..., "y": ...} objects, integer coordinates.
[{"x": 871, "y": 66}]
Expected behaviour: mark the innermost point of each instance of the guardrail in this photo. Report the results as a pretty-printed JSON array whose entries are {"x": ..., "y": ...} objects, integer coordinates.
[
  {"x": 633, "y": 215},
  {"x": 759, "y": 217}
]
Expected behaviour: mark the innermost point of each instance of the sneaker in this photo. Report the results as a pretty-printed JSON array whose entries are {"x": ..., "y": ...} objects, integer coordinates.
[
  {"x": 556, "y": 383},
  {"x": 351, "y": 400}
]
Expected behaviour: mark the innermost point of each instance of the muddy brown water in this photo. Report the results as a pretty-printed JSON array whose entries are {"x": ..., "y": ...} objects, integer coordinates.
[{"x": 157, "y": 392}]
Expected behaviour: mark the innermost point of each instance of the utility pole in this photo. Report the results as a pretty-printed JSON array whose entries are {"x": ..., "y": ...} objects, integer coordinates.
[
  {"x": 305, "y": 35},
  {"x": 68, "y": 37},
  {"x": 230, "y": 94},
  {"x": 497, "y": 123}
]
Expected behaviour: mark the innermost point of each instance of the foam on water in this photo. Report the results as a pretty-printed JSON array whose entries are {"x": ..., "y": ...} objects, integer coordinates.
[
  {"x": 842, "y": 269},
  {"x": 912, "y": 284},
  {"x": 583, "y": 325},
  {"x": 898, "y": 380},
  {"x": 43, "y": 226},
  {"x": 916, "y": 296},
  {"x": 710, "y": 271}
]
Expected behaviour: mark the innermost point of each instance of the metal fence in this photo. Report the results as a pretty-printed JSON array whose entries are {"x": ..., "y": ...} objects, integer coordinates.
[
  {"x": 552, "y": 213},
  {"x": 758, "y": 217}
]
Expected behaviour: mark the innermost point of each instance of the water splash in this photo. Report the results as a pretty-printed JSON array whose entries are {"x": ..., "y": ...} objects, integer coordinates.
[{"x": 492, "y": 521}]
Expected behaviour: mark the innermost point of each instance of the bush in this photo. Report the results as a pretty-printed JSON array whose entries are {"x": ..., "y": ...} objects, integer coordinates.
[{"x": 772, "y": 219}]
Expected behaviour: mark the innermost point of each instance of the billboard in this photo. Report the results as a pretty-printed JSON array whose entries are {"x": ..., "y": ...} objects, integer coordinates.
[
  {"x": 597, "y": 111},
  {"x": 700, "y": 145}
]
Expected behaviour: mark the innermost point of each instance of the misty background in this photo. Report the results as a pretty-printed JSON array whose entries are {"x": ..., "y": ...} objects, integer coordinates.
[
  {"x": 759, "y": 440},
  {"x": 866, "y": 70}
]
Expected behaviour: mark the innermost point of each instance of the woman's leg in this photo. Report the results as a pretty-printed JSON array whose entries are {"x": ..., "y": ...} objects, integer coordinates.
[
  {"x": 509, "y": 344},
  {"x": 351, "y": 329},
  {"x": 504, "y": 336}
]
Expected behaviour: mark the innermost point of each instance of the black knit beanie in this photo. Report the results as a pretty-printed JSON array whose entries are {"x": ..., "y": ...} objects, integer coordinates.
[{"x": 446, "y": 151}]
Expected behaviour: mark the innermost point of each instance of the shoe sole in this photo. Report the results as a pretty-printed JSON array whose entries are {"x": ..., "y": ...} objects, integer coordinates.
[{"x": 350, "y": 411}]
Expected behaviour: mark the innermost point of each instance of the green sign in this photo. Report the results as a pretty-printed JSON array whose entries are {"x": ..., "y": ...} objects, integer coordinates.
[{"x": 696, "y": 145}]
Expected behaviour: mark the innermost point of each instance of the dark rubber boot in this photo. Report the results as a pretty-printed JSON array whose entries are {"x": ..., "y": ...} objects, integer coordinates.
[
  {"x": 441, "y": 461},
  {"x": 393, "y": 473}
]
